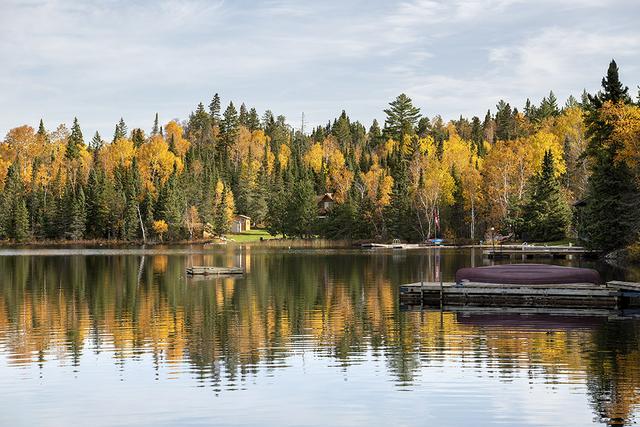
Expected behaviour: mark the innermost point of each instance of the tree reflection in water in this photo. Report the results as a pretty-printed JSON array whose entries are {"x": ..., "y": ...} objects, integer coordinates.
[{"x": 341, "y": 305}]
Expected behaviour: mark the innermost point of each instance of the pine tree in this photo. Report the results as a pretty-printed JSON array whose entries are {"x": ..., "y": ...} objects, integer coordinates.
[
  {"x": 402, "y": 117},
  {"x": 546, "y": 213},
  {"x": 612, "y": 201},
  {"x": 548, "y": 107},
  {"x": 75, "y": 141}
]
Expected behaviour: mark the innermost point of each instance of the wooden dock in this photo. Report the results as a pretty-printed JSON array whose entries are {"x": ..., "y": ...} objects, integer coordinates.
[
  {"x": 531, "y": 251},
  {"x": 573, "y": 295},
  {"x": 213, "y": 271}
]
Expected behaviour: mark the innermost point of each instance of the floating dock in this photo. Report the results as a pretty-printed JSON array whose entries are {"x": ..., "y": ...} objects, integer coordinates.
[
  {"x": 613, "y": 295},
  {"x": 213, "y": 271},
  {"x": 531, "y": 251}
]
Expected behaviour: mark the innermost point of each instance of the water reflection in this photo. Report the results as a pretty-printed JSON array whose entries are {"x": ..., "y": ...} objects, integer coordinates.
[{"x": 337, "y": 305}]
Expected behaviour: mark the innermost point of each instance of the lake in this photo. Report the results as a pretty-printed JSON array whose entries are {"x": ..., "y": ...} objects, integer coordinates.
[{"x": 309, "y": 336}]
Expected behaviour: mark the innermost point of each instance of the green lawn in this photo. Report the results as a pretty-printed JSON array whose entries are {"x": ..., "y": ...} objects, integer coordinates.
[{"x": 252, "y": 236}]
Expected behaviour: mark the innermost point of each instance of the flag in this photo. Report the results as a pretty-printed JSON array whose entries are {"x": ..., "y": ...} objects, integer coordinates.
[{"x": 437, "y": 219}]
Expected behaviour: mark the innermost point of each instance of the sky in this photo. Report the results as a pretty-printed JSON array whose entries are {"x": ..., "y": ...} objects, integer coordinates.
[{"x": 102, "y": 60}]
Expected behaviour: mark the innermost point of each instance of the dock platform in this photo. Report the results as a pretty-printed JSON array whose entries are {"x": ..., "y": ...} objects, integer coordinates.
[
  {"x": 618, "y": 295},
  {"x": 531, "y": 251},
  {"x": 213, "y": 271}
]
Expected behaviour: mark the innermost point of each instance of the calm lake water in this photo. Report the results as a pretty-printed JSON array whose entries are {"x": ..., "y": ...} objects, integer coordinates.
[{"x": 308, "y": 337}]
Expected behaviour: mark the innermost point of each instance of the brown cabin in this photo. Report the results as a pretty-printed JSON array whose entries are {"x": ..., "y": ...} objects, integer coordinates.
[
  {"x": 240, "y": 224},
  {"x": 325, "y": 203}
]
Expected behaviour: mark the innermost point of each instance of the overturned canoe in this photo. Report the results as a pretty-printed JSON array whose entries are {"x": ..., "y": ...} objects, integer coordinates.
[{"x": 528, "y": 274}]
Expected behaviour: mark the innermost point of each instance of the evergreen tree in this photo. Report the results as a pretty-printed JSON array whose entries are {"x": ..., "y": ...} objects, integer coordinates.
[
  {"x": 43, "y": 135},
  {"x": 78, "y": 216},
  {"x": 253, "y": 122},
  {"x": 302, "y": 211},
  {"x": 20, "y": 220},
  {"x": 229, "y": 126},
  {"x": 505, "y": 124},
  {"x": 75, "y": 141},
  {"x": 546, "y": 212},
  {"x": 137, "y": 137},
  {"x": 548, "y": 107},
  {"x": 121, "y": 130},
  {"x": 156, "y": 126},
  {"x": 243, "y": 116},
  {"x": 402, "y": 118},
  {"x": 612, "y": 202},
  {"x": 214, "y": 109},
  {"x": 96, "y": 142}
]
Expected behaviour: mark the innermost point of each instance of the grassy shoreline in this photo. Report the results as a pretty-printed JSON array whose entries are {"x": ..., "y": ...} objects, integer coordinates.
[{"x": 246, "y": 237}]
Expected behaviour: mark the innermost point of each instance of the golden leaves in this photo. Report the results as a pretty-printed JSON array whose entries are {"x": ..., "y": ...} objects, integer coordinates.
[
  {"x": 173, "y": 134},
  {"x": 156, "y": 162},
  {"x": 625, "y": 120}
]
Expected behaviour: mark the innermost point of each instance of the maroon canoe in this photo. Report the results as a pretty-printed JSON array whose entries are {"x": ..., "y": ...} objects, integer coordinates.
[{"x": 528, "y": 274}]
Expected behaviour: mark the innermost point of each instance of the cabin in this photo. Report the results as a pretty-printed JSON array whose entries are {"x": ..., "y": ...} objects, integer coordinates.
[
  {"x": 240, "y": 224},
  {"x": 325, "y": 203}
]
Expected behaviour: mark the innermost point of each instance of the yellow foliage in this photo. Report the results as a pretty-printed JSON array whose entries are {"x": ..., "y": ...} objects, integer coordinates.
[
  {"x": 625, "y": 120},
  {"x": 155, "y": 162},
  {"x": 314, "y": 157},
  {"x": 378, "y": 185},
  {"x": 119, "y": 153},
  {"x": 539, "y": 143},
  {"x": 284, "y": 155},
  {"x": 174, "y": 130},
  {"x": 160, "y": 227}
]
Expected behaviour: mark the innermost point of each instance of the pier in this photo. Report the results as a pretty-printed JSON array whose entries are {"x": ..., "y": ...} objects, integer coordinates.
[
  {"x": 613, "y": 295},
  {"x": 531, "y": 251}
]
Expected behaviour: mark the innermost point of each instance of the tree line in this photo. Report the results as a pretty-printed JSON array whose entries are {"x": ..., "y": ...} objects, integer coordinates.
[{"x": 544, "y": 173}]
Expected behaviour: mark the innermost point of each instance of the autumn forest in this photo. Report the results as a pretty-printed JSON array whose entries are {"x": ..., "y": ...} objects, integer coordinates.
[{"x": 540, "y": 172}]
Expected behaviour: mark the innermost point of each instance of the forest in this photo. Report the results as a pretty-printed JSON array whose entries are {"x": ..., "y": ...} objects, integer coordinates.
[{"x": 546, "y": 172}]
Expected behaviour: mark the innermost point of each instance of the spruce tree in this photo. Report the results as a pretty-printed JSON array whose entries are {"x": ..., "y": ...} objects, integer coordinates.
[
  {"x": 96, "y": 142},
  {"x": 156, "y": 126},
  {"x": 77, "y": 216},
  {"x": 253, "y": 122},
  {"x": 214, "y": 109},
  {"x": 243, "y": 116},
  {"x": 137, "y": 137},
  {"x": 229, "y": 126},
  {"x": 42, "y": 134},
  {"x": 75, "y": 141},
  {"x": 20, "y": 220},
  {"x": 612, "y": 203},
  {"x": 546, "y": 214},
  {"x": 120, "y": 131}
]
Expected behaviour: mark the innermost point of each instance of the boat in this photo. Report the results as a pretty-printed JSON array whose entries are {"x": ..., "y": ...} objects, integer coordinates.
[{"x": 528, "y": 274}]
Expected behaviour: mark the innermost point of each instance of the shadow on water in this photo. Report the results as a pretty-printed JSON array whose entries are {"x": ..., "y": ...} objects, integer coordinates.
[{"x": 339, "y": 305}]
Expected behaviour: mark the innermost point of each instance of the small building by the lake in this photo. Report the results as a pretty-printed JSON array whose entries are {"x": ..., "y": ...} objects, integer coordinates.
[
  {"x": 241, "y": 223},
  {"x": 325, "y": 204}
]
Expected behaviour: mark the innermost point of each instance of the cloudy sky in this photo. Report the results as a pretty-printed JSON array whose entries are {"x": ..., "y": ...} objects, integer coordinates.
[{"x": 100, "y": 60}]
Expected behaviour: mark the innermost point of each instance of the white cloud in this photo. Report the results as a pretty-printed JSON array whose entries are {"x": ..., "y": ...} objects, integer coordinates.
[{"x": 102, "y": 60}]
